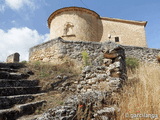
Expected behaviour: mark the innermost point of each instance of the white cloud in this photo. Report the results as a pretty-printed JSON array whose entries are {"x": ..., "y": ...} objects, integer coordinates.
[
  {"x": 19, "y": 40},
  {"x": 18, "y": 4}
]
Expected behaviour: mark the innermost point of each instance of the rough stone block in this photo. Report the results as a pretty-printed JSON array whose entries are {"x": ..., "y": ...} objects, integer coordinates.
[
  {"x": 107, "y": 62},
  {"x": 110, "y": 55}
]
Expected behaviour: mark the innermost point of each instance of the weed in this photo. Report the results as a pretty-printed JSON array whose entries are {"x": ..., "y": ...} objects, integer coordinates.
[
  {"x": 132, "y": 63},
  {"x": 24, "y": 62},
  {"x": 85, "y": 58},
  {"x": 36, "y": 64},
  {"x": 43, "y": 74}
]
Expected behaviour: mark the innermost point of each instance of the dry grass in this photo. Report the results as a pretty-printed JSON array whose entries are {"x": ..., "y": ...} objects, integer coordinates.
[
  {"x": 53, "y": 99},
  {"x": 141, "y": 95},
  {"x": 46, "y": 73},
  {"x": 158, "y": 58}
]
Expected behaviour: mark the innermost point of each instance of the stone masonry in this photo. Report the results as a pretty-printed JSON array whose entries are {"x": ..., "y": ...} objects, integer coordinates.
[
  {"x": 57, "y": 50},
  {"x": 76, "y": 23},
  {"x": 97, "y": 84}
]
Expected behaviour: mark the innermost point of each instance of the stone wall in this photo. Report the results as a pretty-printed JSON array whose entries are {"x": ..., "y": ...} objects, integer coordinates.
[
  {"x": 58, "y": 50},
  {"x": 142, "y": 53},
  {"x": 93, "y": 90},
  {"x": 107, "y": 76}
]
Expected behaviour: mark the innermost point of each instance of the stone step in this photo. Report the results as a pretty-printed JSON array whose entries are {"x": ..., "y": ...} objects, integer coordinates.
[
  {"x": 20, "y": 110},
  {"x": 18, "y": 83},
  {"x": 12, "y": 65},
  {"x": 8, "y": 91},
  {"x": 16, "y": 76},
  {"x": 8, "y": 69},
  {"x": 29, "y": 117},
  {"x": 9, "y": 101}
]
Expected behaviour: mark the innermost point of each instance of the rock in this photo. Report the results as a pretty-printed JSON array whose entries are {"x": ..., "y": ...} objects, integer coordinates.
[
  {"x": 83, "y": 82},
  {"x": 65, "y": 77},
  {"x": 110, "y": 55},
  {"x": 59, "y": 77},
  {"x": 100, "y": 67},
  {"x": 88, "y": 76},
  {"x": 108, "y": 73},
  {"x": 87, "y": 69},
  {"x": 106, "y": 110},
  {"x": 89, "y": 90},
  {"x": 107, "y": 62},
  {"x": 117, "y": 64},
  {"x": 101, "y": 77},
  {"x": 45, "y": 60},
  {"x": 115, "y": 74},
  {"x": 111, "y": 67},
  {"x": 59, "y": 113},
  {"x": 66, "y": 84},
  {"x": 104, "y": 117},
  {"x": 114, "y": 84},
  {"x": 72, "y": 89},
  {"x": 92, "y": 81},
  {"x": 75, "y": 82},
  {"x": 79, "y": 86}
]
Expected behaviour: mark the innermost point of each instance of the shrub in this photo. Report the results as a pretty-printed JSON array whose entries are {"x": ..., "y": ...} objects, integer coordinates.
[
  {"x": 24, "y": 62},
  {"x": 85, "y": 58},
  {"x": 132, "y": 63}
]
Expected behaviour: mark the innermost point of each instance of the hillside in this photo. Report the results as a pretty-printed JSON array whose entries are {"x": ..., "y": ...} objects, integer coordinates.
[{"x": 139, "y": 95}]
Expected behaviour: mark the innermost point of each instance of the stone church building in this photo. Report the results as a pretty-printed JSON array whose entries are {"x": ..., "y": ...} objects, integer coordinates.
[
  {"x": 81, "y": 24},
  {"x": 74, "y": 30}
]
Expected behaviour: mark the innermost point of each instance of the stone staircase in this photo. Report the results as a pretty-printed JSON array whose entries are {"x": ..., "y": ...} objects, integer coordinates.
[{"x": 17, "y": 93}]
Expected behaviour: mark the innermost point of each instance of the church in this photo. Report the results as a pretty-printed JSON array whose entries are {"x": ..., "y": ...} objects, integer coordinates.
[{"x": 81, "y": 24}]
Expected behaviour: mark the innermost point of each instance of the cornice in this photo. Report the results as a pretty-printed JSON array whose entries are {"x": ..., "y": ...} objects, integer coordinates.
[{"x": 143, "y": 23}]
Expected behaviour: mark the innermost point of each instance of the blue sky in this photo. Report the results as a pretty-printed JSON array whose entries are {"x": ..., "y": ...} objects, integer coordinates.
[{"x": 23, "y": 23}]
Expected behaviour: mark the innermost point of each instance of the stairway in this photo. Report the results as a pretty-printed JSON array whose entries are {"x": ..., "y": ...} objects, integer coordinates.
[{"x": 17, "y": 93}]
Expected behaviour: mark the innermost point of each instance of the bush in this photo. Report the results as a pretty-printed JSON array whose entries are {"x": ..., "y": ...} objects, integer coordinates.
[
  {"x": 132, "y": 63},
  {"x": 24, "y": 62}
]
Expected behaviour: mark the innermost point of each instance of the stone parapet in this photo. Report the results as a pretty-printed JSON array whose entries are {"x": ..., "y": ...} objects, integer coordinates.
[
  {"x": 143, "y": 54},
  {"x": 57, "y": 50}
]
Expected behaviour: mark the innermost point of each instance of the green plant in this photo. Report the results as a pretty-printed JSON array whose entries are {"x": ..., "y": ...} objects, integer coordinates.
[
  {"x": 24, "y": 62},
  {"x": 44, "y": 74},
  {"x": 61, "y": 102},
  {"x": 36, "y": 64},
  {"x": 85, "y": 58},
  {"x": 132, "y": 63}
]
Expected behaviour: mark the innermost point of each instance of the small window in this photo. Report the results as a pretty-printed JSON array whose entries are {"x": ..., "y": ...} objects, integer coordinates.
[{"x": 116, "y": 39}]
